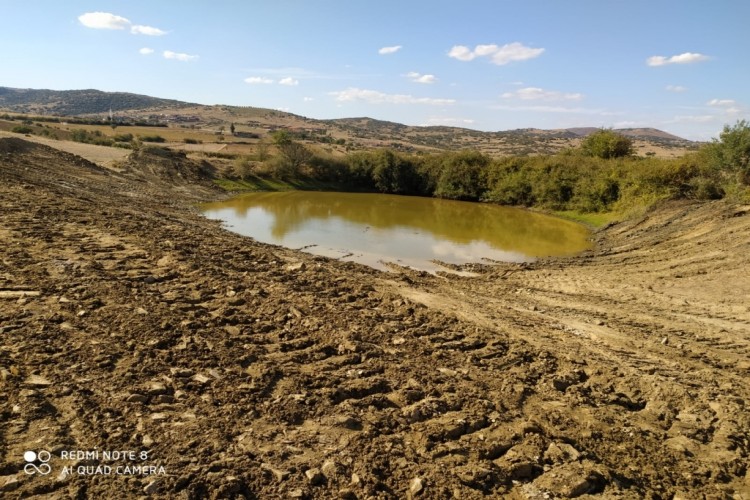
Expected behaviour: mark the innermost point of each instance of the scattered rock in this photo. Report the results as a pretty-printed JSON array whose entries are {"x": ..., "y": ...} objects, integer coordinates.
[
  {"x": 280, "y": 475},
  {"x": 136, "y": 398},
  {"x": 315, "y": 476},
  {"x": 11, "y": 483},
  {"x": 152, "y": 487},
  {"x": 37, "y": 381},
  {"x": 416, "y": 486}
]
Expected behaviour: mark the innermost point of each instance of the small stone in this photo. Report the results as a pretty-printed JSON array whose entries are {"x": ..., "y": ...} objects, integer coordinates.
[
  {"x": 356, "y": 480},
  {"x": 142, "y": 312},
  {"x": 10, "y": 484},
  {"x": 63, "y": 300},
  {"x": 159, "y": 417},
  {"x": 147, "y": 441},
  {"x": 156, "y": 388},
  {"x": 416, "y": 486},
  {"x": 181, "y": 372},
  {"x": 298, "y": 493},
  {"x": 665, "y": 341},
  {"x": 347, "y": 494},
  {"x": 200, "y": 378},
  {"x": 398, "y": 341},
  {"x": 152, "y": 487},
  {"x": 164, "y": 399},
  {"x": 136, "y": 398},
  {"x": 280, "y": 475},
  {"x": 297, "y": 266},
  {"x": 37, "y": 381},
  {"x": 329, "y": 468},
  {"x": 315, "y": 476}
]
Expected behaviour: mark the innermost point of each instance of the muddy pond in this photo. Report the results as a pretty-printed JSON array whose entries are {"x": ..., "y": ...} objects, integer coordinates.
[{"x": 377, "y": 229}]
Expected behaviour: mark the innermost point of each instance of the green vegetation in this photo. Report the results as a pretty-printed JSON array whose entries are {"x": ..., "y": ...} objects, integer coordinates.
[
  {"x": 22, "y": 129},
  {"x": 152, "y": 138},
  {"x": 601, "y": 177},
  {"x": 606, "y": 143},
  {"x": 87, "y": 137}
]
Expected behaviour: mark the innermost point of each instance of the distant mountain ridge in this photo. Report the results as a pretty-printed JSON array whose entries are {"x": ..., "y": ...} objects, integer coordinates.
[
  {"x": 78, "y": 102},
  {"x": 359, "y": 132}
]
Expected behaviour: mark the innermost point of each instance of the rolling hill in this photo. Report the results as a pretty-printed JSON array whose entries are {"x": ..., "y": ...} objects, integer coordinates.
[{"x": 357, "y": 133}]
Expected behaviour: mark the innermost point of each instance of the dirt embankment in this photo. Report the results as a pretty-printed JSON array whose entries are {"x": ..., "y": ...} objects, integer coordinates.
[{"x": 130, "y": 323}]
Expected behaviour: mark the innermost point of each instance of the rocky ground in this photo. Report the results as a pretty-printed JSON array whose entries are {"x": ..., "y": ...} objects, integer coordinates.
[{"x": 129, "y": 323}]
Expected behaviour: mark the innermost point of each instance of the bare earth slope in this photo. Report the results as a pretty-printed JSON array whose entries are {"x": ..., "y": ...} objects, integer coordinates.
[{"x": 128, "y": 322}]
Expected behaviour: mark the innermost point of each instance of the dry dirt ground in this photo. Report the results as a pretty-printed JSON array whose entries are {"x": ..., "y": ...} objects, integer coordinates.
[{"x": 217, "y": 367}]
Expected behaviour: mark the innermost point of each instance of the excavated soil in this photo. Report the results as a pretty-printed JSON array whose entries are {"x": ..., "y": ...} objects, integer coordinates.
[{"x": 232, "y": 369}]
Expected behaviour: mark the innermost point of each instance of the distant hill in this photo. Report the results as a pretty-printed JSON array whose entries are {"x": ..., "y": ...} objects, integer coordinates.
[
  {"x": 355, "y": 133},
  {"x": 77, "y": 102}
]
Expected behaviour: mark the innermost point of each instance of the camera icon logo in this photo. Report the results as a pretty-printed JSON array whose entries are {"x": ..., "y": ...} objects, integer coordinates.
[{"x": 43, "y": 457}]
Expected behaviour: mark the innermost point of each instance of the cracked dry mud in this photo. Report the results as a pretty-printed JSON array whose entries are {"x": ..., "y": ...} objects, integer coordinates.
[{"x": 129, "y": 322}]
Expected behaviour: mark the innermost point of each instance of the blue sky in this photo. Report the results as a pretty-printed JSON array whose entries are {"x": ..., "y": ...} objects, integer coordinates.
[{"x": 681, "y": 66}]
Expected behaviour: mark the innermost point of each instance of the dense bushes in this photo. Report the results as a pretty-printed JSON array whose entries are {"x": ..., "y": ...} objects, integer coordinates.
[
  {"x": 600, "y": 176},
  {"x": 567, "y": 181}
]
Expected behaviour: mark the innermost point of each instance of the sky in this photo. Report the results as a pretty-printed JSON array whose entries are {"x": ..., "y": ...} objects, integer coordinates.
[{"x": 680, "y": 66}]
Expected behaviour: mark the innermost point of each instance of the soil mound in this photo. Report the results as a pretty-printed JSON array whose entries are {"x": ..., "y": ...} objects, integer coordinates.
[
  {"x": 174, "y": 167},
  {"x": 10, "y": 145}
]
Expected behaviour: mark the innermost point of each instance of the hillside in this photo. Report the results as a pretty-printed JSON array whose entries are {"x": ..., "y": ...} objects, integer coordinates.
[
  {"x": 77, "y": 102},
  {"x": 355, "y": 133}
]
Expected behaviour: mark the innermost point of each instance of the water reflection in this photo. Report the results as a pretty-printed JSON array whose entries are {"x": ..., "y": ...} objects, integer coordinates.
[{"x": 408, "y": 230}]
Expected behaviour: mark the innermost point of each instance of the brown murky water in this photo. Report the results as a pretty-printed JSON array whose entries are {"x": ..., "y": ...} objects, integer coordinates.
[{"x": 377, "y": 228}]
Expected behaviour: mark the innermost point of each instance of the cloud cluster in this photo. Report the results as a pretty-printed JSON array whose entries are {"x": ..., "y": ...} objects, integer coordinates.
[
  {"x": 108, "y": 21},
  {"x": 146, "y": 51},
  {"x": 262, "y": 80},
  {"x": 499, "y": 55},
  {"x": 537, "y": 94},
  {"x": 721, "y": 102},
  {"x": 168, "y": 54},
  {"x": 676, "y": 88},
  {"x": 375, "y": 97},
  {"x": 420, "y": 78},
  {"x": 686, "y": 58},
  {"x": 389, "y": 50}
]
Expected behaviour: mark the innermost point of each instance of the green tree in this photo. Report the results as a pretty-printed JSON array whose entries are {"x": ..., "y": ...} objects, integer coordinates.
[
  {"x": 461, "y": 176},
  {"x": 231, "y": 128},
  {"x": 294, "y": 155},
  {"x": 606, "y": 143},
  {"x": 732, "y": 151}
]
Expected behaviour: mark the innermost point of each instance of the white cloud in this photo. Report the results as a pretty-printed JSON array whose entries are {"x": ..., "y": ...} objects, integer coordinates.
[
  {"x": 721, "y": 102},
  {"x": 103, "y": 21},
  {"x": 389, "y": 50},
  {"x": 451, "y": 122},
  {"x": 419, "y": 78},
  {"x": 308, "y": 99},
  {"x": 556, "y": 109},
  {"x": 686, "y": 58},
  {"x": 375, "y": 97},
  {"x": 537, "y": 94},
  {"x": 693, "y": 119},
  {"x": 499, "y": 55},
  {"x": 146, "y": 30},
  {"x": 676, "y": 88},
  {"x": 168, "y": 54},
  {"x": 146, "y": 51},
  {"x": 289, "y": 81},
  {"x": 256, "y": 80}
]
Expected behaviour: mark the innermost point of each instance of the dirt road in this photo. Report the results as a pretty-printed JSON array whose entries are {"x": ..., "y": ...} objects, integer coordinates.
[{"x": 217, "y": 367}]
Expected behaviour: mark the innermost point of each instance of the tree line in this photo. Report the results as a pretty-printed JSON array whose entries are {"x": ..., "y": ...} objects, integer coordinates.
[{"x": 600, "y": 175}]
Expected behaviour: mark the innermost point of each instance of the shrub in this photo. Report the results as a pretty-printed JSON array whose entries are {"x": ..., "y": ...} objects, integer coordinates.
[
  {"x": 22, "y": 129},
  {"x": 606, "y": 143},
  {"x": 152, "y": 138}
]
